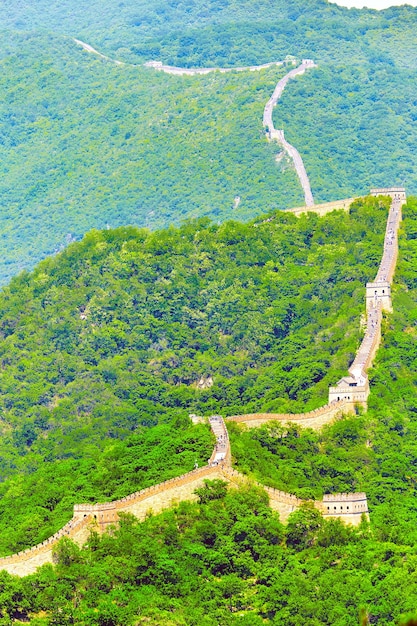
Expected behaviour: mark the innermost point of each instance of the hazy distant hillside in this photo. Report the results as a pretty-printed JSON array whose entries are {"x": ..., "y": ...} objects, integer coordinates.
[
  {"x": 84, "y": 143},
  {"x": 219, "y": 31}
]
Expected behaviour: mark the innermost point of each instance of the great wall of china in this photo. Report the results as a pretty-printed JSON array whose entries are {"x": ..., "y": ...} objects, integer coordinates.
[
  {"x": 271, "y": 132},
  {"x": 343, "y": 398},
  {"x": 351, "y": 391}
]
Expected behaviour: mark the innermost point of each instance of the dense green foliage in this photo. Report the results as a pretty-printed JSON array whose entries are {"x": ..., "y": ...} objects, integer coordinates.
[
  {"x": 35, "y": 504},
  {"x": 228, "y": 562},
  {"x": 130, "y": 146},
  {"x": 375, "y": 452},
  {"x": 125, "y": 146},
  {"x": 221, "y": 32},
  {"x": 115, "y": 333}
]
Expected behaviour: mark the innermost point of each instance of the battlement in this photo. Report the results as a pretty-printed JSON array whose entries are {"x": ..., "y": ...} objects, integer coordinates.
[
  {"x": 344, "y": 497},
  {"x": 323, "y": 208},
  {"x": 93, "y": 508},
  {"x": 347, "y": 506},
  {"x": 396, "y": 193}
]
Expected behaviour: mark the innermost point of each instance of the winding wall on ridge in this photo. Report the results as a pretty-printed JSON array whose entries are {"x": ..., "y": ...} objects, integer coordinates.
[
  {"x": 278, "y": 135},
  {"x": 352, "y": 390},
  {"x": 157, "y": 498},
  {"x": 349, "y": 507},
  {"x": 272, "y": 132}
]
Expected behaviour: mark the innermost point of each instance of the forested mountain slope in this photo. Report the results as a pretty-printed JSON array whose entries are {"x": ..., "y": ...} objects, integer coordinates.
[
  {"x": 130, "y": 146},
  {"x": 84, "y": 143},
  {"x": 227, "y": 559},
  {"x": 129, "y": 329},
  {"x": 221, "y": 32}
]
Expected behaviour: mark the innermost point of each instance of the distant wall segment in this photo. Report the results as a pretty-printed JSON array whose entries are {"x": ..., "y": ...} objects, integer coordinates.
[{"x": 278, "y": 135}]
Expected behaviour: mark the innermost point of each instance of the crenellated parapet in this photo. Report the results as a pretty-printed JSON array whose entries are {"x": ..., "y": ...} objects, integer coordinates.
[
  {"x": 323, "y": 208},
  {"x": 396, "y": 193},
  {"x": 27, "y": 561},
  {"x": 315, "y": 419},
  {"x": 347, "y": 506}
]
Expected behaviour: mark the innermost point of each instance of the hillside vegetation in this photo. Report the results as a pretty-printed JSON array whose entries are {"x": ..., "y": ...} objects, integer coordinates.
[
  {"x": 227, "y": 559},
  {"x": 114, "y": 335},
  {"x": 222, "y": 32},
  {"x": 125, "y": 146},
  {"x": 85, "y": 143}
]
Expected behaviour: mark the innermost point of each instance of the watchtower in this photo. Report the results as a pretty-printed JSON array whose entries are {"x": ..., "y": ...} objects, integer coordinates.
[
  {"x": 353, "y": 389},
  {"x": 396, "y": 193},
  {"x": 378, "y": 293}
]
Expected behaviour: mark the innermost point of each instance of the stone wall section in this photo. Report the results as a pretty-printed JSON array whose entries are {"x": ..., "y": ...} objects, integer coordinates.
[
  {"x": 26, "y": 562},
  {"x": 348, "y": 506},
  {"x": 273, "y": 134},
  {"x": 314, "y": 419},
  {"x": 378, "y": 299},
  {"x": 324, "y": 208},
  {"x": 278, "y": 135},
  {"x": 155, "y": 499}
]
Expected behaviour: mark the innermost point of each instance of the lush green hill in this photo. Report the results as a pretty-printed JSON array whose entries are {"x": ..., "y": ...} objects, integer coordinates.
[
  {"x": 95, "y": 346},
  {"x": 114, "y": 334},
  {"x": 84, "y": 143},
  {"x": 227, "y": 560},
  {"x": 130, "y": 146},
  {"x": 375, "y": 452}
]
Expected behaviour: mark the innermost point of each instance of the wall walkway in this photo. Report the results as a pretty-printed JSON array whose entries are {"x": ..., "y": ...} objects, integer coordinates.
[
  {"x": 179, "y": 71},
  {"x": 278, "y": 135},
  {"x": 314, "y": 419},
  {"x": 355, "y": 387}
]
